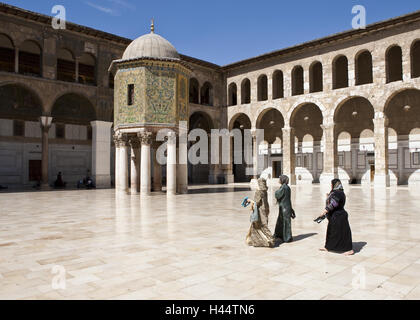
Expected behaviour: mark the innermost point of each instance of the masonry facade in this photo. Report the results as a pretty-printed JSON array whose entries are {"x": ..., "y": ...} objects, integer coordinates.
[{"x": 344, "y": 106}]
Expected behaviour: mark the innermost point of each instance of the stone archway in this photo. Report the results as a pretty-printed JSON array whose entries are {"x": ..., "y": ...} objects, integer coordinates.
[
  {"x": 306, "y": 120},
  {"x": 272, "y": 122},
  {"x": 199, "y": 173},
  {"x": 354, "y": 116},
  {"x": 241, "y": 122},
  {"x": 403, "y": 113}
]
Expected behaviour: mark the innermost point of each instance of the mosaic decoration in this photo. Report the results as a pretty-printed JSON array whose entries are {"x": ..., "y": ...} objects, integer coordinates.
[
  {"x": 182, "y": 98},
  {"x": 160, "y": 95},
  {"x": 123, "y": 113}
]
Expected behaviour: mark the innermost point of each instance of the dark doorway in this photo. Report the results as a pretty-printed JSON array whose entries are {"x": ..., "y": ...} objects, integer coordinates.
[{"x": 35, "y": 170}]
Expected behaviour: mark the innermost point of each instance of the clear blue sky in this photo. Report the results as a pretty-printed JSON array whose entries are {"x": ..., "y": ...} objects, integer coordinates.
[{"x": 223, "y": 31}]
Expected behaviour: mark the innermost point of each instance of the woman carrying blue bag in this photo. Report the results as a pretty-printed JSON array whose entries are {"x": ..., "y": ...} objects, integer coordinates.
[{"x": 259, "y": 235}]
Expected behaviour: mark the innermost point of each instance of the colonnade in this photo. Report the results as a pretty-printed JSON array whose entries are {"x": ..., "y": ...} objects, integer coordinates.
[{"x": 143, "y": 162}]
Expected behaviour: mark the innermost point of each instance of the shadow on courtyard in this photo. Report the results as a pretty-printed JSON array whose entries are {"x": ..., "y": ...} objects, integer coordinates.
[
  {"x": 358, "y": 246},
  {"x": 218, "y": 190},
  {"x": 300, "y": 237}
]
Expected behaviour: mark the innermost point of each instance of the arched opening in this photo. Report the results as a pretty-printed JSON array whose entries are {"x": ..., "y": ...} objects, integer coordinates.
[
  {"x": 20, "y": 110},
  {"x": 66, "y": 66},
  {"x": 207, "y": 94},
  {"x": 19, "y": 103},
  {"x": 306, "y": 121},
  {"x": 194, "y": 91},
  {"x": 246, "y": 91},
  {"x": 340, "y": 72},
  {"x": 30, "y": 58},
  {"x": 7, "y": 54},
  {"x": 403, "y": 113},
  {"x": 232, "y": 95},
  {"x": 72, "y": 114},
  {"x": 316, "y": 77},
  {"x": 278, "y": 84},
  {"x": 344, "y": 142},
  {"x": 297, "y": 81},
  {"x": 272, "y": 122},
  {"x": 415, "y": 59},
  {"x": 242, "y": 122},
  {"x": 364, "y": 68},
  {"x": 87, "y": 69},
  {"x": 262, "y": 88},
  {"x": 352, "y": 117},
  {"x": 394, "y": 69},
  {"x": 199, "y": 173}
]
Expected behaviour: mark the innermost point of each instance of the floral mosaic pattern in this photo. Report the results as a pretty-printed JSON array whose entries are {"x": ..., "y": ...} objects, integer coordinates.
[{"x": 160, "y": 95}]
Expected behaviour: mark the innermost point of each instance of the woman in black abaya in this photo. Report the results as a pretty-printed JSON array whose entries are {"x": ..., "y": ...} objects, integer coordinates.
[{"x": 339, "y": 238}]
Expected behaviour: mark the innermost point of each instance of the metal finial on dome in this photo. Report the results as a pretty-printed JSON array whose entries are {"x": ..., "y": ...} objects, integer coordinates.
[{"x": 152, "y": 26}]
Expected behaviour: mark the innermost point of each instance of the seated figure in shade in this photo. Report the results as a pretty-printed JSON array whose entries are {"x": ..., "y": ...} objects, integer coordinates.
[
  {"x": 59, "y": 183},
  {"x": 259, "y": 235}
]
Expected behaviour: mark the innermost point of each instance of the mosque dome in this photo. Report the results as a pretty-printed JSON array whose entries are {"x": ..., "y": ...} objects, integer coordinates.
[{"x": 152, "y": 46}]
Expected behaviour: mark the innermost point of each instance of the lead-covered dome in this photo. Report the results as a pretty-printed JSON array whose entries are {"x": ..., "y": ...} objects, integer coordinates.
[{"x": 150, "y": 45}]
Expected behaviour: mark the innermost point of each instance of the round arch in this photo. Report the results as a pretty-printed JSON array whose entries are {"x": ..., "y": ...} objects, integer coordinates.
[
  {"x": 272, "y": 122},
  {"x": 232, "y": 94},
  {"x": 403, "y": 110},
  {"x": 353, "y": 115},
  {"x": 242, "y": 119},
  {"x": 7, "y": 53},
  {"x": 201, "y": 120},
  {"x": 19, "y": 101},
  {"x": 307, "y": 118},
  {"x": 73, "y": 108}
]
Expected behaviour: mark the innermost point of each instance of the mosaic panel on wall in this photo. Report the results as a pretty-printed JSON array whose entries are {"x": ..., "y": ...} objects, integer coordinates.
[
  {"x": 160, "y": 95},
  {"x": 183, "y": 112},
  {"x": 125, "y": 114}
]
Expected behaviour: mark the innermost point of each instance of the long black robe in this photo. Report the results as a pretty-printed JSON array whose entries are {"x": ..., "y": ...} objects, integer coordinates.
[
  {"x": 339, "y": 238},
  {"x": 284, "y": 221}
]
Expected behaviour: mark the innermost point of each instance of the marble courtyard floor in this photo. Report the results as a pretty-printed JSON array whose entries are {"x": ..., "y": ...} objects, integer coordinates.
[{"x": 193, "y": 246}]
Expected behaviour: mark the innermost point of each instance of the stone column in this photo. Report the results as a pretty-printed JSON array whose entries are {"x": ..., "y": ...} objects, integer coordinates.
[
  {"x": 171, "y": 165},
  {"x": 17, "y": 60},
  {"x": 45, "y": 123},
  {"x": 77, "y": 70},
  {"x": 381, "y": 150},
  {"x": 122, "y": 165},
  {"x": 255, "y": 155},
  {"x": 135, "y": 165},
  {"x": 354, "y": 154},
  {"x": 289, "y": 157},
  {"x": 330, "y": 156},
  {"x": 101, "y": 153},
  {"x": 157, "y": 172},
  {"x": 182, "y": 167},
  {"x": 117, "y": 161},
  {"x": 145, "y": 171}
]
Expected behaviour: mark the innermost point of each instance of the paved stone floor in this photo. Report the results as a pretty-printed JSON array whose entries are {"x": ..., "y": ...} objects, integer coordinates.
[{"x": 193, "y": 246}]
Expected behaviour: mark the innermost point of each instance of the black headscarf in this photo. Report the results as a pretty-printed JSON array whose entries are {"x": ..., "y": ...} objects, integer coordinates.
[
  {"x": 336, "y": 185},
  {"x": 284, "y": 179}
]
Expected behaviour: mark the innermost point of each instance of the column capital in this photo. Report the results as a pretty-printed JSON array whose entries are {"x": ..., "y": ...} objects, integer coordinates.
[
  {"x": 134, "y": 142},
  {"x": 45, "y": 122},
  {"x": 380, "y": 119},
  {"x": 120, "y": 140},
  {"x": 328, "y": 126},
  {"x": 145, "y": 137}
]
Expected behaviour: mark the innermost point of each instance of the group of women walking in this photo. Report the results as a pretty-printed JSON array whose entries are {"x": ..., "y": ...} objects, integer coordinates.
[{"x": 339, "y": 237}]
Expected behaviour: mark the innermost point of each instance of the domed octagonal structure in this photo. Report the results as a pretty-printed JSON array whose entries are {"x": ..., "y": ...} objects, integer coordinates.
[
  {"x": 151, "y": 86},
  {"x": 150, "y": 93}
]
